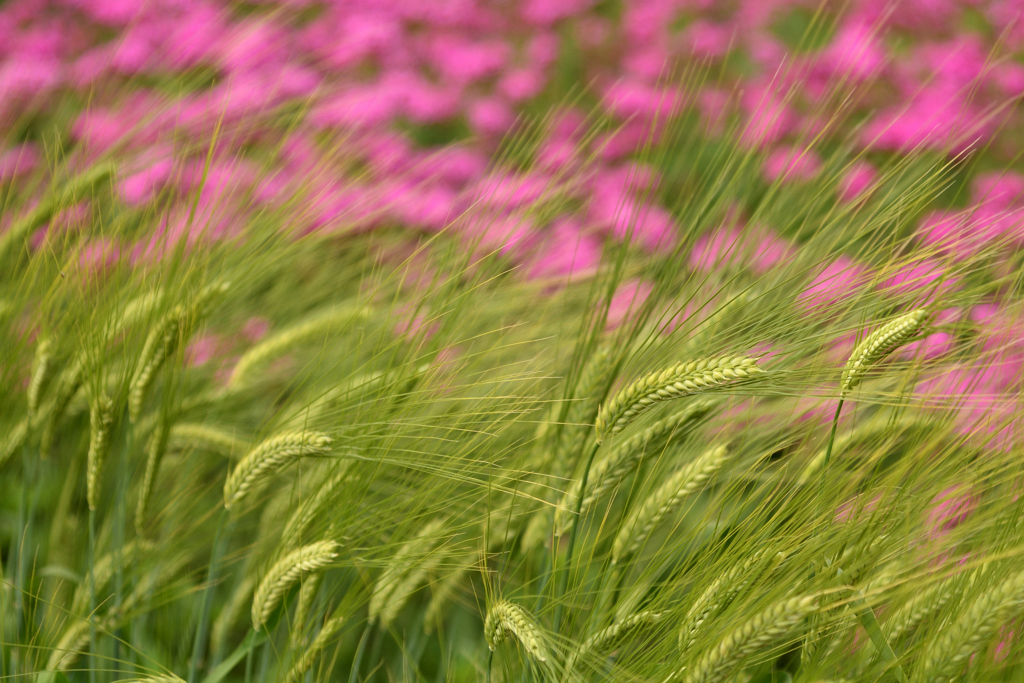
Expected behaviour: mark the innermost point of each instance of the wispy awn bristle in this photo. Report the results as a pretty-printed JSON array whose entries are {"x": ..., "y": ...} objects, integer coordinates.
[
  {"x": 269, "y": 457},
  {"x": 683, "y": 379},
  {"x": 636, "y": 529},
  {"x": 506, "y": 619},
  {"x": 879, "y": 344},
  {"x": 101, "y": 419},
  {"x": 408, "y": 568},
  {"x": 284, "y": 573}
]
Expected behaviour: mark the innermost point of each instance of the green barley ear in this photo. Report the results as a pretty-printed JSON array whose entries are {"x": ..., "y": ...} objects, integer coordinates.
[
  {"x": 683, "y": 379},
  {"x": 164, "y": 678},
  {"x": 763, "y": 631},
  {"x": 948, "y": 654},
  {"x": 722, "y": 591},
  {"x": 879, "y": 344},
  {"x": 269, "y": 457},
  {"x": 163, "y": 341},
  {"x": 314, "y": 506},
  {"x": 155, "y": 450},
  {"x": 327, "y": 632},
  {"x": 591, "y": 389},
  {"x": 205, "y": 438},
  {"x": 284, "y": 573},
  {"x": 67, "y": 385},
  {"x": 101, "y": 420},
  {"x": 641, "y": 522},
  {"x": 609, "y": 471},
  {"x": 307, "y": 595},
  {"x": 409, "y": 567},
  {"x": 278, "y": 344},
  {"x": 506, "y": 619},
  {"x": 608, "y": 638},
  {"x": 42, "y": 371},
  {"x": 922, "y": 607}
]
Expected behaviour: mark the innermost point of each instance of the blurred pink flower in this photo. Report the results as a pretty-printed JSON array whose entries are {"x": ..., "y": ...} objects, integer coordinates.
[
  {"x": 548, "y": 12},
  {"x": 768, "y": 117},
  {"x": 518, "y": 85},
  {"x": 950, "y": 508},
  {"x": 709, "y": 40},
  {"x": 938, "y": 118},
  {"x": 255, "y": 329},
  {"x": 791, "y": 164},
  {"x": 838, "y": 280},
  {"x": 566, "y": 252},
  {"x": 927, "y": 276},
  {"x": 18, "y": 161},
  {"x": 857, "y": 180},
  {"x": 756, "y": 248},
  {"x": 999, "y": 190},
  {"x": 490, "y": 116},
  {"x": 855, "y": 52},
  {"x": 628, "y": 298},
  {"x": 202, "y": 350}
]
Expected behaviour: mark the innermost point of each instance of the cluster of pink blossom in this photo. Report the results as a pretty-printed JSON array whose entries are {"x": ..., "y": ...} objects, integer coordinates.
[{"x": 341, "y": 100}]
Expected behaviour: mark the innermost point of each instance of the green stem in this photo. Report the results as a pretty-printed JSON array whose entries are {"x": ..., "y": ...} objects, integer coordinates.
[
  {"x": 93, "y": 653},
  {"x": 224, "y": 528},
  {"x": 119, "y": 535},
  {"x": 563, "y": 582},
  {"x": 357, "y": 661}
]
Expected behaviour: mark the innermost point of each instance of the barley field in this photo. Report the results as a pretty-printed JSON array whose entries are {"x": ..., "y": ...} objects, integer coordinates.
[{"x": 444, "y": 342}]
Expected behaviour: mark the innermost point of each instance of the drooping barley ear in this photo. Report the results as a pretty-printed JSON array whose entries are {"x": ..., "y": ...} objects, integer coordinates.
[
  {"x": 161, "y": 343},
  {"x": 593, "y": 385},
  {"x": 101, "y": 420},
  {"x": 327, "y": 632},
  {"x": 65, "y": 388},
  {"x": 409, "y": 567},
  {"x": 948, "y": 654},
  {"x": 723, "y": 590},
  {"x": 73, "y": 190},
  {"x": 682, "y": 379},
  {"x": 269, "y": 457},
  {"x": 13, "y": 439},
  {"x": 314, "y": 506},
  {"x": 922, "y": 607},
  {"x": 284, "y": 573},
  {"x": 609, "y": 638},
  {"x": 610, "y": 470},
  {"x": 506, "y": 619},
  {"x": 307, "y": 594},
  {"x": 155, "y": 450},
  {"x": 42, "y": 371},
  {"x": 164, "y": 678},
  {"x": 276, "y": 345},
  {"x": 641, "y": 522},
  {"x": 205, "y": 438},
  {"x": 879, "y": 344},
  {"x": 764, "y": 631},
  {"x": 443, "y": 591},
  {"x": 70, "y": 646},
  {"x": 231, "y": 611}
]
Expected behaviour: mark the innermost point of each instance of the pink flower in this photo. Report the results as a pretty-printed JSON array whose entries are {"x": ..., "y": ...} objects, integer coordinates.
[
  {"x": 926, "y": 276},
  {"x": 789, "y": 164},
  {"x": 566, "y": 252},
  {"x": 950, "y": 509},
  {"x": 999, "y": 190},
  {"x": 462, "y": 61},
  {"x": 629, "y": 99},
  {"x": 490, "y": 116},
  {"x": 768, "y": 117},
  {"x": 521, "y": 84},
  {"x": 856, "y": 181},
  {"x": 548, "y": 12},
  {"x": 833, "y": 284},
  {"x": 855, "y": 52},
  {"x": 203, "y": 350},
  {"x": 628, "y": 298},
  {"x": 758, "y": 249},
  {"x": 708, "y": 40},
  {"x": 18, "y": 161},
  {"x": 255, "y": 329},
  {"x": 938, "y": 118},
  {"x": 142, "y": 186}
]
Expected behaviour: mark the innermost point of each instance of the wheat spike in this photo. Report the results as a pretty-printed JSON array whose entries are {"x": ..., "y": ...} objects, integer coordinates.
[
  {"x": 68, "y": 384},
  {"x": 205, "y": 438},
  {"x": 507, "y": 618},
  {"x": 407, "y": 569},
  {"x": 155, "y": 450},
  {"x": 610, "y": 637},
  {"x": 269, "y": 457},
  {"x": 327, "y": 632},
  {"x": 638, "y": 526},
  {"x": 950, "y": 652},
  {"x": 13, "y": 439},
  {"x": 307, "y": 594},
  {"x": 160, "y": 344},
  {"x": 286, "y": 572},
  {"x": 313, "y": 507},
  {"x": 317, "y": 325},
  {"x": 721, "y": 592},
  {"x": 608, "y": 472},
  {"x": 921, "y": 607},
  {"x": 42, "y": 370},
  {"x": 101, "y": 419},
  {"x": 164, "y": 678},
  {"x": 763, "y": 631},
  {"x": 879, "y": 344},
  {"x": 679, "y": 380}
]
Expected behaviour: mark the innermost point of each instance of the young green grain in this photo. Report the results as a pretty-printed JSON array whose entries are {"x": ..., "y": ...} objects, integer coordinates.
[
  {"x": 268, "y": 458},
  {"x": 101, "y": 420},
  {"x": 505, "y": 619},
  {"x": 284, "y": 573},
  {"x": 879, "y": 344}
]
